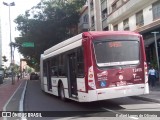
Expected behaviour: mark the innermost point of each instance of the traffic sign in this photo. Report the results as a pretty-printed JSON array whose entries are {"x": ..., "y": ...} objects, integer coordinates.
[{"x": 28, "y": 44}]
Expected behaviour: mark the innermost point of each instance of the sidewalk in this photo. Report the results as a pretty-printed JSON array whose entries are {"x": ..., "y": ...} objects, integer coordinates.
[
  {"x": 153, "y": 96},
  {"x": 7, "y": 89}
]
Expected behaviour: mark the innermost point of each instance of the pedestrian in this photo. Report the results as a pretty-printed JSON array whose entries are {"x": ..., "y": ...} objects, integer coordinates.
[
  {"x": 152, "y": 76},
  {"x": 18, "y": 76}
]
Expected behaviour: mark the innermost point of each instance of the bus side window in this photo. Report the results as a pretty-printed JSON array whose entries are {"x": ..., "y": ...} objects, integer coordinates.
[
  {"x": 44, "y": 69},
  {"x": 54, "y": 67},
  {"x": 61, "y": 67},
  {"x": 80, "y": 62}
]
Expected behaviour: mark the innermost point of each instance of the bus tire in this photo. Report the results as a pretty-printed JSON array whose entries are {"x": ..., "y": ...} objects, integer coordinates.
[{"x": 61, "y": 92}]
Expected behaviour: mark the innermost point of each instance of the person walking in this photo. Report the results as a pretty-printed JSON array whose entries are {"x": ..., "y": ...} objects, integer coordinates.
[
  {"x": 18, "y": 76},
  {"x": 152, "y": 76}
]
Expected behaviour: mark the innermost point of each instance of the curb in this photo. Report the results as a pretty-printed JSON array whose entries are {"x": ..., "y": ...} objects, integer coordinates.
[{"x": 145, "y": 99}]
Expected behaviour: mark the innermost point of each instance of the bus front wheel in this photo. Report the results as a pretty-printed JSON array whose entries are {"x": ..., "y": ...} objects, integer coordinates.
[{"x": 61, "y": 92}]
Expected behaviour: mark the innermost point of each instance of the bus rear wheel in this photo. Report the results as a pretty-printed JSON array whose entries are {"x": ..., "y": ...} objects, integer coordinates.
[{"x": 61, "y": 92}]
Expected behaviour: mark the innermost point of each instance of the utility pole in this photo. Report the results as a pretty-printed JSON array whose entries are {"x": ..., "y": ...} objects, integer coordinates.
[
  {"x": 11, "y": 64},
  {"x": 157, "y": 56}
]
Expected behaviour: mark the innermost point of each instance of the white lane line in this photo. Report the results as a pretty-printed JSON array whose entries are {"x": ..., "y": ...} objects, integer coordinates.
[
  {"x": 21, "y": 102},
  {"x": 4, "y": 108},
  {"x": 135, "y": 118},
  {"x": 22, "y": 98}
]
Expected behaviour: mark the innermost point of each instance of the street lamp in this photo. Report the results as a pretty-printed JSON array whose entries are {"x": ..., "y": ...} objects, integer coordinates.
[
  {"x": 9, "y": 5},
  {"x": 155, "y": 39}
]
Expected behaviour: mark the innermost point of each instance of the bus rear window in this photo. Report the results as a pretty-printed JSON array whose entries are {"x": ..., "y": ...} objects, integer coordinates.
[{"x": 113, "y": 53}]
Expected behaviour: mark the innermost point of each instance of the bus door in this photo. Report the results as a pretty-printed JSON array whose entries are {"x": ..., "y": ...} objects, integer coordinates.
[
  {"x": 72, "y": 74},
  {"x": 49, "y": 84}
]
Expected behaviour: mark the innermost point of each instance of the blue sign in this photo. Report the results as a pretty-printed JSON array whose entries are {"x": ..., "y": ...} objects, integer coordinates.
[{"x": 103, "y": 83}]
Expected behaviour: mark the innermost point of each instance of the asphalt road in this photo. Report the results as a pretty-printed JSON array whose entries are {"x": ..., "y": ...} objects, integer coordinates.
[{"x": 37, "y": 100}]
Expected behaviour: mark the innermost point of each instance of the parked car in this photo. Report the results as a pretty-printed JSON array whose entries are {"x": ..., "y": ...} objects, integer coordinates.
[{"x": 34, "y": 76}]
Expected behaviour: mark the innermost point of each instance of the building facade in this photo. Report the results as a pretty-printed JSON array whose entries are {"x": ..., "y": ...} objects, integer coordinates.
[
  {"x": 94, "y": 13},
  {"x": 104, "y": 14},
  {"x": 0, "y": 42},
  {"x": 83, "y": 21},
  {"x": 141, "y": 16}
]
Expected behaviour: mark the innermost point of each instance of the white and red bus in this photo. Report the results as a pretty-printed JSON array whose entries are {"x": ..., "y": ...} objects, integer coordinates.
[{"x": 96, "y": 65}]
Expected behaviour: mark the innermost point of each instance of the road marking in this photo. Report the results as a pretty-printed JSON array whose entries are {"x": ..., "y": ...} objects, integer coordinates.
[
  {"x": 22, "y": 100},
  {"x": 4, "y": 108},
  {"x": 135, "y": 118}
]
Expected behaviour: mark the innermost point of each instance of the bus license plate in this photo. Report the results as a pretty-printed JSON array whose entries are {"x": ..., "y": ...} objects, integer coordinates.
[{"x": 121, "y": 83}]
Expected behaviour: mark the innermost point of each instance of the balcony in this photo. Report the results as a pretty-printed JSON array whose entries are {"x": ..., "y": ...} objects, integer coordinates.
[
  {"x": 84, "y": 26},
  {"x": 127, "y": 9}
]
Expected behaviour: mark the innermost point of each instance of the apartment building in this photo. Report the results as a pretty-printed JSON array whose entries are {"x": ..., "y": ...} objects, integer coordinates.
[
  {"x": 104, "y": 14},
  {"x": 142, "y": 16},
  {"x": 83, "y": 21},
  {"x": 98, "y": 11},
  {"x": 0, "y": 42},
  {"x": 94, "y": 12}
]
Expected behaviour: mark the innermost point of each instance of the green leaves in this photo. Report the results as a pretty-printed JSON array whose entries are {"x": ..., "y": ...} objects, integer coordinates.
[
  {"x": 4, "y": 59},
  {"x": 47, "y": 24}
]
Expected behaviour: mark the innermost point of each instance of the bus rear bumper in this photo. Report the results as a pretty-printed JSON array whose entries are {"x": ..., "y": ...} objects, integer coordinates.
[{"x": 114, "y": 92}]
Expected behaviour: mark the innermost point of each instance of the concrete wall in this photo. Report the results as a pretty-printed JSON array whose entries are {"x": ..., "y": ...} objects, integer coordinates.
[
  {"x": 147, "y": 15},
  {"x": 0, "y": 39}
]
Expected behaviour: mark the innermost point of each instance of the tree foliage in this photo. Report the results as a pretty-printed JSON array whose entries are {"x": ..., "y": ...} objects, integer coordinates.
[
  {"x": 4, "y": 58},
  {"x": 47, "y": 24}
]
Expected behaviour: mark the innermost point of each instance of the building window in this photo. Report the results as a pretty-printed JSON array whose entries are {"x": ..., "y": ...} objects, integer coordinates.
[
  {"x": 104, "y": 14},
  {"x": 126, "y": 24},
  {"x": 91, "y": 5},
  {"x": 117, "y": 3},
  {"x": 105, "y": 29},
  {"x": 115, "y": 27},
  {"x": 92, "y": 20},
  {"x": 156, "y": 10},
  {"x": 114, "y": 6},
  {"x": 102, "y": 1},
  {"x": 85, "y": 18},
  {"x": 139, "y": 18}
]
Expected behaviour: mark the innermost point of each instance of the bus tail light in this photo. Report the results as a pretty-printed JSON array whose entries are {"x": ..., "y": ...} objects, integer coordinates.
[
  {"x": 91, "y": 80},
  {"x": 146, "y": 78},
  {"x": 145, "y": 72}
]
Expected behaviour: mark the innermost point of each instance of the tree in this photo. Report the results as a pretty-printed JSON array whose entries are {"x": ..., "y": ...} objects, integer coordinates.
[
  {"x": 16, "y": 68},
  {"x": 47, "y": 24},
  {"x": 4, "y": 58}
]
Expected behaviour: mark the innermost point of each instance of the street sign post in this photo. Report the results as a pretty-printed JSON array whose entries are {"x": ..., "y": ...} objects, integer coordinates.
[{"x": 28, "y": 44}]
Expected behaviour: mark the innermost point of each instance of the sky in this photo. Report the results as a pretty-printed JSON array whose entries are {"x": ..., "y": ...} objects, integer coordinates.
[{"x": 20, "y": 7}]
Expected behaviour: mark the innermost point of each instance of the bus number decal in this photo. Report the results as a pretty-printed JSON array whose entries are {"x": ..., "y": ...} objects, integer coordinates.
[
  {"x": 137, "y": 70},
  {"x": 135, "y": 76}
]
